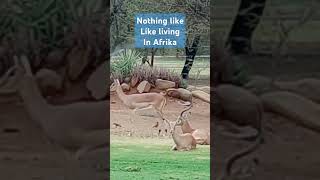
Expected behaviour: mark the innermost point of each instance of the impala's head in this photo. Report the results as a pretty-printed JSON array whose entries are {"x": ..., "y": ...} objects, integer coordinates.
[{"x": 114, "y": 85}]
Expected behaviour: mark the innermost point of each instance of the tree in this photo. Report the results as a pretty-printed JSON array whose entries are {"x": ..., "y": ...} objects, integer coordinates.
[
  {"x": 246, "y": 21},
  {"x": 190, "y": 54},
  {"x": 197, "y": 17},
  {"x": 198, "y": 21}
]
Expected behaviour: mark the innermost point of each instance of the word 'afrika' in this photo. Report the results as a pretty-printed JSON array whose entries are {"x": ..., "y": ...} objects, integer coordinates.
[{"x": 161, "y": 42}]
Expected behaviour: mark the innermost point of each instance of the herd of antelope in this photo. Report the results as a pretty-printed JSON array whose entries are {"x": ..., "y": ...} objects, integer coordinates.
[{"x": 185, "y": 141}]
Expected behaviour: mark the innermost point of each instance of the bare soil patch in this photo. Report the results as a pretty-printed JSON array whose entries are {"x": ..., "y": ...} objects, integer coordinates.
[{"x": 142, "y": 125}]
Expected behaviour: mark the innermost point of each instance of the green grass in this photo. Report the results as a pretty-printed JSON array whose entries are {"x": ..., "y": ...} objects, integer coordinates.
[
  {"x": 152, "y": 159},
  {"x": 200, "y": 68}
]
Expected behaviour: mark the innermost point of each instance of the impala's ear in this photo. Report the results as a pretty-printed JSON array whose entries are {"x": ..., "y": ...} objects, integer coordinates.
[
  {"x": 112, "y": 87},
  {"x": 116, "y": 82}
]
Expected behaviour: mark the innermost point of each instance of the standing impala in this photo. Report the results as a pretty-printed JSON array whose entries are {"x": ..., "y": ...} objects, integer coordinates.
[{"x": 137, "y": 102}]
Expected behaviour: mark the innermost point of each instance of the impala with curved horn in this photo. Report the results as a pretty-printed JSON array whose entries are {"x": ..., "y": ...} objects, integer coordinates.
[
  {"x": 202, "y": 136},
  {"x": 143, "y": 101},
  {"x": 184, "y": 141}
]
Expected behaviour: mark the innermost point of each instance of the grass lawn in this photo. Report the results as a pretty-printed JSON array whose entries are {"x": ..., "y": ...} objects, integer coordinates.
[
  {"x": 200, "y": 68},
  {"x": 152, "y": 159}
]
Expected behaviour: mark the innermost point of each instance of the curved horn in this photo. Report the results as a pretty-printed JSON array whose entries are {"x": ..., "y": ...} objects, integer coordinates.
[
  {"x": 167, "y": 121},
  {"x": 186, "y": 109}
]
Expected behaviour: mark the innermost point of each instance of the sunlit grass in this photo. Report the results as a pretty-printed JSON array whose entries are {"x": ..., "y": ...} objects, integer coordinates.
[{"x": 152, "y": 159}]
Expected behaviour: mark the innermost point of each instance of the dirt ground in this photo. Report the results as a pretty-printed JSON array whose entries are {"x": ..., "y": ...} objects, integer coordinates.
[{"x": 144, "y": 121}]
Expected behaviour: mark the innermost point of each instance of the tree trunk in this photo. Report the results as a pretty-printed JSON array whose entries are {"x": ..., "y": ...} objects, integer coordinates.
[
  {"x": 190, "y": 54},
  {"x": 153, "y": 52},
  {"x": 145, "y": 57},
  {"x": 246, "y": 21}
]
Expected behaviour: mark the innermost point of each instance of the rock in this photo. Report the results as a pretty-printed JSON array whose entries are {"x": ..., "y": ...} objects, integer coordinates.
[
  {"x": 201, "y": 95},
  {"x": 134, "y": 81},
  {"x": 125, "y": 87},
  {"x": 164, "y": 84},
  {"x": 97, "y": 82},
  {"x": 55, "y": 58},
  {"x": 308, "y": 87},
  {"x": 259, "y": 85},
  {"x": 48, "y": 80},
  {"x": 204, "y": 89},
  {"x": 294, "y": 107},
  {"x": 180, "y": 93},
  {"x": 77, "y": 60},
  {"x": 239, "y": 105},
  {"x": 191, "y": 88},
  {"x": 144, "y": 86},
  {"x": 156, "y": 90}
]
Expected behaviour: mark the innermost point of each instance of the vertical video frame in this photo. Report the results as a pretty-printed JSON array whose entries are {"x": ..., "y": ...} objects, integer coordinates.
[{"x": 160, "y": 90}]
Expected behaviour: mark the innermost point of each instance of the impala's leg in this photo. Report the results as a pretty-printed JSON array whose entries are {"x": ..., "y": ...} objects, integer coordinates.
[
  {"x": 162, "y": 127},
  {"x": 132, "y": 115},
  {"x": 148, "y": 106},
  {"x": 165, "y": 126},
  {"x": 164, "y": 121},
  {"x": 174, "y": 148},
  {"x": 161, "y": 115}
]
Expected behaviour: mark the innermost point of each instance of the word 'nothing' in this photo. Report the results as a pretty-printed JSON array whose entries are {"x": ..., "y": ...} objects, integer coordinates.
[{"x": 172, "y": 20}]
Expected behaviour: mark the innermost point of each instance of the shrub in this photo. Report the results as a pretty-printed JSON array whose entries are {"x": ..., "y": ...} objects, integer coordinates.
[
  {"x": 123, "y": 65},
  {"x": 151, "y": 74},
  {"x": 126, "y": 65}
]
